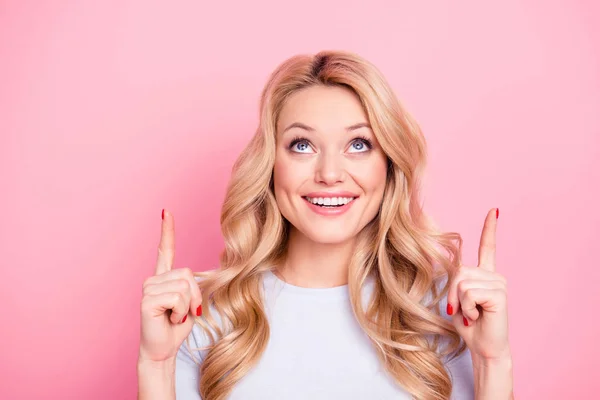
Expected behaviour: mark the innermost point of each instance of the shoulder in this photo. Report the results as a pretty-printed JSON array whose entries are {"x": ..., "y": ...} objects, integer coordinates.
[
  {"x": 193, "y": 350},
  {"x": 459, "y": 368}
]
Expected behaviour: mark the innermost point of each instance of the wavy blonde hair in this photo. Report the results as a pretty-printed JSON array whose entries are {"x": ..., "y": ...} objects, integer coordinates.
[{"x": 400, "y": 248}]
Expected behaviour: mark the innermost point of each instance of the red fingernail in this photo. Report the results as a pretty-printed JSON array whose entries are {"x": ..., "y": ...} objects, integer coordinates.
[
  {"x": 449, "y": 309},
  {"x": 497, "y": 212},
  {"x": 184, "y": 318},
  {"x": 465, "y": 321},
  {"x": 199, "y": 310},
  {"x": 163, "y": 214}
]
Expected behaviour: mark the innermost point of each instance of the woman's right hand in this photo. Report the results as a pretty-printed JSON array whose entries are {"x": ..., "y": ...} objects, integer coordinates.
[{"x": 168, "y": 297}]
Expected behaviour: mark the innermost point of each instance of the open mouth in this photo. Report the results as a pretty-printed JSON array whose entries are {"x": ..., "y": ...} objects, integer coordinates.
[{"x": 329, "y": 202}]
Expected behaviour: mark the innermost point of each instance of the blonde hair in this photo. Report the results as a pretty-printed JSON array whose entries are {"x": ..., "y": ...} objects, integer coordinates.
[{"x": 399, "y": 248}]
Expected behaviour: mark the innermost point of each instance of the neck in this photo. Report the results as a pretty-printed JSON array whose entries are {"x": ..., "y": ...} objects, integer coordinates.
[{"x": 315, "y": 265}]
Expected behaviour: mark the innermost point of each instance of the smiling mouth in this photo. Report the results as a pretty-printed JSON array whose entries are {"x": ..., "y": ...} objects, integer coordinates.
[{"x": 329, "y": 202}]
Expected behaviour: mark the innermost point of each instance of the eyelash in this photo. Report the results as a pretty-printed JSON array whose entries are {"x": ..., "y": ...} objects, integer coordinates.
[{"x": 299, "y": 139}]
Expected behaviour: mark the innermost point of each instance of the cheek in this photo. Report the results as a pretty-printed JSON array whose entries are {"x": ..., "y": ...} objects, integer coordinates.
[
  {"x": 372, "y": 176},
  {"x": 287, "y": 177},
  {"x": 287, "y": 180}
]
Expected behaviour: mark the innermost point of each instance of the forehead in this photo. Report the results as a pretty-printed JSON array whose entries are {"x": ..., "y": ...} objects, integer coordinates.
[{"x": 322, "y": 107}]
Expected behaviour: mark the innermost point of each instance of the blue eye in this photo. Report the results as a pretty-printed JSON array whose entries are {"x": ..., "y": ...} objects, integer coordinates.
[
  {"x": 300, "y": 145},
  {"x": 358, "y": 145},
  {"x": 361, "y": 145}
]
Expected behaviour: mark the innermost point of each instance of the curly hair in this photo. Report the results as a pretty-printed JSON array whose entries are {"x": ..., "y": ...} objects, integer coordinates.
[{"x": 401, "y": 248}]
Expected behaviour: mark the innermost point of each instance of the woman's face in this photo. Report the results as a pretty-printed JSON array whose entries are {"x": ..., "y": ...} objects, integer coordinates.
[{"x": 330, "y": 171}]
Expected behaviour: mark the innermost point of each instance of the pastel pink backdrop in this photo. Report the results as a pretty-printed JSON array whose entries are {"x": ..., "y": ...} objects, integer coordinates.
[{"x": 110, "y": 111}]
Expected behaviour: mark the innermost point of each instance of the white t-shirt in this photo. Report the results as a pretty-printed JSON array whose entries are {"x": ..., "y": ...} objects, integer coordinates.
[{"x": 316, "y": 351}]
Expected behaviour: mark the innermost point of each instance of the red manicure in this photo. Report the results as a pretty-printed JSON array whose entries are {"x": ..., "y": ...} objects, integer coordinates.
[
  {"x": 184, "y": 318},
  {"x": 449, "y": 309},
  {"x": 163, "y": 214},
  {"x": 465, "y": 321},
  {"x": 497, "y": 212},
  {"x": 199, "y": 310}
]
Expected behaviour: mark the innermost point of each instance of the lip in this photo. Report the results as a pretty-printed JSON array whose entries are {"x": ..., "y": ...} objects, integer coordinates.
[
  {"x": 331, "y": 194},
  {"x": 329, "y": 212}
]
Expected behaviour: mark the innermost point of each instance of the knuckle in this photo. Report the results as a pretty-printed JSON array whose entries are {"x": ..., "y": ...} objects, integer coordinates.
[
  {"x": 468, "y": 295},
  {"x": 177, "y": 299},
  {"x": 462, "y": 272},
  {"x": 182, "y": 285},
  {"x": 148, "y": 281},
  {"x": 463, "y": 286},
  {"x": 147, "y": 289},
  {"x": 503, "y": 286},
  {"x": 501, "y": 279}
]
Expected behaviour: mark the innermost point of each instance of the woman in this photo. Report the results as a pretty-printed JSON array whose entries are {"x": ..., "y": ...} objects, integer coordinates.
[{"x": 332, "y": 278}]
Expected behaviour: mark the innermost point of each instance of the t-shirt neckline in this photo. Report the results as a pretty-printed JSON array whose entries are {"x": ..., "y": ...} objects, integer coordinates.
[{"x": 331, "y": 292}]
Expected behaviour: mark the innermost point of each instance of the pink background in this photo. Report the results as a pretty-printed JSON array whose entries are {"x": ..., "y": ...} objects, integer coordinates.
[{"x": 111, "y": 110}]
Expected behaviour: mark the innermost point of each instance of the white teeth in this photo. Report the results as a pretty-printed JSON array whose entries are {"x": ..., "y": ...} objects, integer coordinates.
[{"x": 330, "y": 201}]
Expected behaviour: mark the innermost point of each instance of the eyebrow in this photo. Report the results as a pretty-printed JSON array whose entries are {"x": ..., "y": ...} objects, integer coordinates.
[{"x": 311, "y": 129}]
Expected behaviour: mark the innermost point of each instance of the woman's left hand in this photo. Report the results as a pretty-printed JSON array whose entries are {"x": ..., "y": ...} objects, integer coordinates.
[{"x": 477, "y": 300}]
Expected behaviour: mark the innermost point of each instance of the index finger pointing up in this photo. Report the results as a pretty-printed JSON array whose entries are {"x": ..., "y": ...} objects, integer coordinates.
[
  {"x": 166, "y": 247},
  {"x": 487, "y": 244}
]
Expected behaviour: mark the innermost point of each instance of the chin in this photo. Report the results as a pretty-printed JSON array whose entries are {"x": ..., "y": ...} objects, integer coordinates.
[{"x": 328, "y": 236}]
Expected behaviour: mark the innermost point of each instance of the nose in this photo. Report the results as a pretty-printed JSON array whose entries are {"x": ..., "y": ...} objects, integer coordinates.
[{"x": 330, "y": 169}]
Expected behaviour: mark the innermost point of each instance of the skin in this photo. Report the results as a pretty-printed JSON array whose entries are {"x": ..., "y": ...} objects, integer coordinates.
[
  {"x": 169, "y": 296},
  {"x": 331, "y": 159},
  {"x": 478, "y": 304}
]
